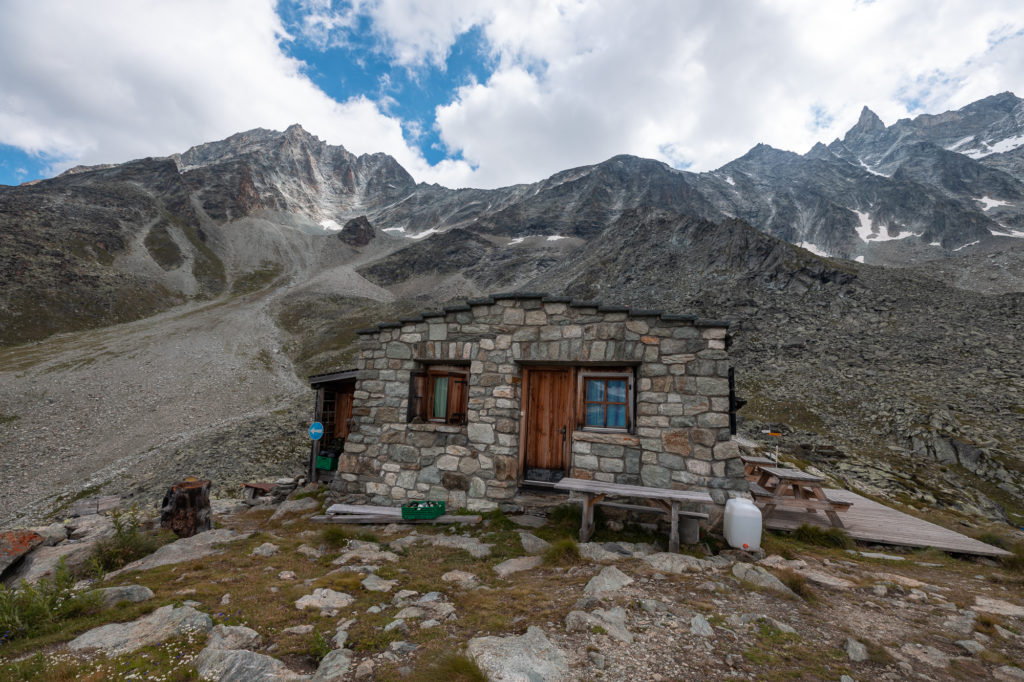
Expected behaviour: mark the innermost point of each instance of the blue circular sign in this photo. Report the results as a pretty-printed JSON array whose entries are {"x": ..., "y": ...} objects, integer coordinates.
[{"x": 316, "y": 430}]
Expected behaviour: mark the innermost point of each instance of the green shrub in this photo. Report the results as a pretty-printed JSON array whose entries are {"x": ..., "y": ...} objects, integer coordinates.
[
  {"x": 824, "y": 537},
  {"x": 334, "y": 537},
  {"x": 562, "y": 552},
  {"x": 319, "y": 647},
  {"x": 127, "y": 544},
  {"x": 449, "y": 668},
  {"x": 797, "y": 583},
  {"x": 29, "y": 610}
]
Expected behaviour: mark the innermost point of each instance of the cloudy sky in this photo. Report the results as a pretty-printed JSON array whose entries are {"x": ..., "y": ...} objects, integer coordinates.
[{"x": 488, "y": 93}]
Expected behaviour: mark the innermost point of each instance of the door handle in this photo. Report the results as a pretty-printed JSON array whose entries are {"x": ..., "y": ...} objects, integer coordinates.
[{"x": 562, "y": 431}]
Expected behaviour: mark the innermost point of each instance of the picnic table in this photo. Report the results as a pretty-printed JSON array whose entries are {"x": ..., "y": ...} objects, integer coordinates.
[
  {"x": 752, "y": 466},
  {"x": 786, "y": 488},
  {"x": 667, "y": 501}
]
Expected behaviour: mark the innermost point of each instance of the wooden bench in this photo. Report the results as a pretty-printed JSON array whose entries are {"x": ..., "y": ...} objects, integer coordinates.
[
  {"x": 785, "y": 488},
  {"x": 594, "y": 493}
]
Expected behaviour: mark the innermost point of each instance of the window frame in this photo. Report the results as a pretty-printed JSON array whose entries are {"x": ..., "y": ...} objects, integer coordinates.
[
  {"x": 455, "y": 399},
  {"x": 614, "y": 373}
]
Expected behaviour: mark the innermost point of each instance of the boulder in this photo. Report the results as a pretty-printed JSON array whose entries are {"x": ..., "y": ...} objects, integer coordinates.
[
  {"x": 267, "y": 549},
  {"x": 14, "y": 544},
  {"x": 611, "y": 622},
  {"x": 533, "y": 544},
  {"x": 121, "y": 638},
  {"x": 610, "y": 579},
  {"x": 306, "y": 504},
  {"x": 463, "y": 579},
  {"x": 325, "y": 599},
  {"x": 185, "y": 549},
  {"x": 374, "y": 583},
  {"x": 517, "y": 564},
  {"x": 233, "y": 637},
  {"x": 232, "y": 665},
  {"x": 761, "y": 578},
  {"x": 109, "y": 596},
  {"x": 530, "y": 656},
  {"x": 333, "y": 666}
]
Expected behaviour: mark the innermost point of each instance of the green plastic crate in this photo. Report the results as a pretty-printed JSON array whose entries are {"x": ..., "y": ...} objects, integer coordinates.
[
  {"x": 326, "y": 463},
  {"x": 422, "y": 510}
]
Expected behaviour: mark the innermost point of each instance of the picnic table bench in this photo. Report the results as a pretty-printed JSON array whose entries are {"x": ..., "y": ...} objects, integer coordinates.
[
  {"x": 668, "y": 502},
  {"x": 786, "y": 488}
]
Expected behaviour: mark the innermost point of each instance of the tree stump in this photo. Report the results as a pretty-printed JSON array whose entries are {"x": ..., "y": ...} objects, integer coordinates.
[{"x": 186, "y": 508}]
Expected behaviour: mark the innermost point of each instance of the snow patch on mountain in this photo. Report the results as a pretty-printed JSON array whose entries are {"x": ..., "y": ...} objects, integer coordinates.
[
  {"x": 331, "y": 225},
  {"x": 998, "y": 147},
  {"x": 869, "y": 169},
  {"x": 989, "y": 203},
  {"x": 864, "y": 231},
  {"x": 728, "y": 178},
  {"x": 816, "y": 250},
  {"x": 961, "y": 248}
]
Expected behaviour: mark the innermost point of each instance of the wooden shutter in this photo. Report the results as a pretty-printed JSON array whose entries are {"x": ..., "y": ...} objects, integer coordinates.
[
  {"x": 417, "y": 396},
  {"x": 458, "y": 398}
]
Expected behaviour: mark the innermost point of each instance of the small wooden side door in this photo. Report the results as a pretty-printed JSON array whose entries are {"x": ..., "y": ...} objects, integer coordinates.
[{"x": 549, "y": 401}]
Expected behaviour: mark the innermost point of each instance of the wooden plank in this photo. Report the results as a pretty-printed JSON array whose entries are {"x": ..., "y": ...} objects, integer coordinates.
[
  {"x": 645, "y": 508},
  {"x": 364, "y": 509},
  {"x": 785, "y": 473},
  {"x": 580, "y": 485},
  {"x": 358, "y": 519},
  {"x": 869, "y": 521}
]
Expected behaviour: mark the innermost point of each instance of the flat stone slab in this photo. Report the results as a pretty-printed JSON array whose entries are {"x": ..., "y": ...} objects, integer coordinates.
[
  {"x": 365, "y": 552},
  {"x": 185, "y": 549},
  {"x": 517, "y": 564},
  {"x": 826, "y": 579},
  {"x": 998, "y": 607},
  {"x": 530, "y": 656},
  {"x": 231, "y": 665},
  {"x": 121, "y": 638},
  {"x": 667, "y": 562},
  {"x": 333, "y": 666},
  {"x": 473, "y": 546},
  {"x": 528, "y": 521}
]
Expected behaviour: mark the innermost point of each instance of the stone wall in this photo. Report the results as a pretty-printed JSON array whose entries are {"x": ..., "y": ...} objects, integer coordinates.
[{"x": 681, "y": 437}]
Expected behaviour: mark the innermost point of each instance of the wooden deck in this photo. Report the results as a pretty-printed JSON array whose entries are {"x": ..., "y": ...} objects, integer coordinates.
[{"x": 870, "y": 521}]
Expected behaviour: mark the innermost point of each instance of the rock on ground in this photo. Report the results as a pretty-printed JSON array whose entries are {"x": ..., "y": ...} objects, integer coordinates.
[
  {"x": 476, "y": 549},
  {"x": 109, "y": 596},
  {"x": 530, "y": 656},
  {"x": 609, "y": 579},
  {"x": 266, "y": 549},
  {"x": 233, "y": 637},
  {"x": 533, "y": 544},
  {"x": 295, "y": 507},
  {"x": 667, "y": 562},
  {"x": 374, "y": 583},
  {"x": 185, "y": 549},
  {"x": 760, "y": 577},
  {"x": 517, "y": 564},
  {"x": 611, "y": 621},
  {"x": 121, "y": 638},
  {"x": 463, "y": 579},
  {"x": 325, "y": 599},
  {"x": 232, "y": 665},
  {"x": 333, "y": 666}
]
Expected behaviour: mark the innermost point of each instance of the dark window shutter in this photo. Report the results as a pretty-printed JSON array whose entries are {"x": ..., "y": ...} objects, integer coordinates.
[
  {"x": 458, "y": 398},
  {"x": 417, "y": 396}
]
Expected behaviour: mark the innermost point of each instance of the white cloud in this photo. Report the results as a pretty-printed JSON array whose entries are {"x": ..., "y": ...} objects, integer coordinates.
[
  {"x": 574, "y": 81},
  {"x": 701, "y": 83},
  {"x": 108, "y": 81}
]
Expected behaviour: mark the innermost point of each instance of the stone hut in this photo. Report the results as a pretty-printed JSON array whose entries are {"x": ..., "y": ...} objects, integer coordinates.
[{"x": 469, "y": 403}]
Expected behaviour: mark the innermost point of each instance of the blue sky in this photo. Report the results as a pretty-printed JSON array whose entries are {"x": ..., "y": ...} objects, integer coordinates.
[{"x": 485, "y": 93}]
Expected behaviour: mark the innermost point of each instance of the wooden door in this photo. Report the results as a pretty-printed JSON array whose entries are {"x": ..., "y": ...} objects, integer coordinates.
[{"x": 548, "y": 418}]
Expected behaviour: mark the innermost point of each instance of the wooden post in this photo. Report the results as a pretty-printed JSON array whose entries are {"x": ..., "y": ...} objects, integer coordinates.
[
  {"x": 673, "y": 536},
  {"x": 186, "y": 508}
]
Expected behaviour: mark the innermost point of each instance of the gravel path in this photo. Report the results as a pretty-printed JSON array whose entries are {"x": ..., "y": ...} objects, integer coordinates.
[{"x": 80, "y": 410}]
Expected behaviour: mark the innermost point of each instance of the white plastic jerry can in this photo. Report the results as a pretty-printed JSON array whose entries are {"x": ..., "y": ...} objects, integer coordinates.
[{"x": 742, "y": 524}]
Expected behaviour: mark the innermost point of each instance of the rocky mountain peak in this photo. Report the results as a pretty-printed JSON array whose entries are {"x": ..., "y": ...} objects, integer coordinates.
[{"x": 867, "y": 123}]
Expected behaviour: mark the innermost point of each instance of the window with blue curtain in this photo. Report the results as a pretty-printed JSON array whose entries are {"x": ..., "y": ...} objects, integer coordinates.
[{"x": 606, "y": 402}]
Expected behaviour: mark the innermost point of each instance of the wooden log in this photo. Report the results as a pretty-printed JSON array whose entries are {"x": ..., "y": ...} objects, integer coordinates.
[{"x": 186, "y": 508}]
